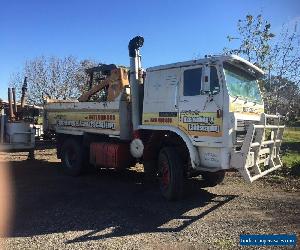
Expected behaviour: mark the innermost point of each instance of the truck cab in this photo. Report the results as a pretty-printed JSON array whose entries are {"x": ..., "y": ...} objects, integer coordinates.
[{"x": 215, "y": 105}]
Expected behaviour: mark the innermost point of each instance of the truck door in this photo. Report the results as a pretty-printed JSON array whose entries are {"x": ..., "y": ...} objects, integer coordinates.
[
  {"x": 161, "y": 97},
  {"x": 200, "y": 102}
]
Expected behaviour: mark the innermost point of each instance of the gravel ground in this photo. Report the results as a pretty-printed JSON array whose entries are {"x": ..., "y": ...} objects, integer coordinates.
[{"x": 115, "y": 210}]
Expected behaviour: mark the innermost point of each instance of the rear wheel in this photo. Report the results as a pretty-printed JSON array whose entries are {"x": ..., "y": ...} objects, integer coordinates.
[
  {"x": 72, "y": 157},
  {"x": 213, "y": 178},
  {"x": 170, "y": 173}
]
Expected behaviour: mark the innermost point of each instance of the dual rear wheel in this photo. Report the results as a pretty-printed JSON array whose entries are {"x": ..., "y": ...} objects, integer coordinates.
[{"x": 72, "y": 156}]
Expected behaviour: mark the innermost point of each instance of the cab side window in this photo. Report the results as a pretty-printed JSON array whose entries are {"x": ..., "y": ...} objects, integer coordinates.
[
  {"x": 192, "y": 82},
  {"x": 214, "y": 79}
]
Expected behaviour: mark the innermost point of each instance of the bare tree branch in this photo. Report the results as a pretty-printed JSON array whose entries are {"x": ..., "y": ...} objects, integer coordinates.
[{"x": 53, "y": 77}]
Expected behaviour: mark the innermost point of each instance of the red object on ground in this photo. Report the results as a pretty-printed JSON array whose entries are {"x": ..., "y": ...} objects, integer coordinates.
[{"x": 110, "y": 155}]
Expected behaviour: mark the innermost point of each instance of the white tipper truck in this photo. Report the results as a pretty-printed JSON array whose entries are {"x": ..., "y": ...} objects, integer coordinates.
[{"x": 200, "y": 117}]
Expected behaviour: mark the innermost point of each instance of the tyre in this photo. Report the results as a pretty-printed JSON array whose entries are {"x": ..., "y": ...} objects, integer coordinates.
[
  {"x": 150, "y": 170},
  {"x": 87, "y": 166},
  {"x": 212, "y": 179},
  {"x": 72, "y": 154},
  {"x": 170, "y": 174}
]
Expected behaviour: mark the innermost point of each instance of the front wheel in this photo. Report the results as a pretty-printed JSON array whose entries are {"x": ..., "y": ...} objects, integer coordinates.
[
  {"x": 72, "y": 157},
  {"x": 170, "y": 174}
]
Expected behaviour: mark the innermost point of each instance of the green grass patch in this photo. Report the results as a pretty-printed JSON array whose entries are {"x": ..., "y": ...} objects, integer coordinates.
[
  {"x": 291, "y": 163},
  {"x": 291, "y": 152},
  {"x": 291, "y": 135},
  {"x": 291, "y": 158}
]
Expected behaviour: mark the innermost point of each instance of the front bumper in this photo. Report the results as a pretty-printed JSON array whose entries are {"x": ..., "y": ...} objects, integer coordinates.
[{"x": 259, "y": 152}]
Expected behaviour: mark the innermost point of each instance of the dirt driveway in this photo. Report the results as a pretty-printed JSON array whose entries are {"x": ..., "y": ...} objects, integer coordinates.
[{"x": 110, "y": 210}]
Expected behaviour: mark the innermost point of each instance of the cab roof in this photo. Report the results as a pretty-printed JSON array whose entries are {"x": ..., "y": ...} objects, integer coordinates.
[{"x": 233, "y": 59}]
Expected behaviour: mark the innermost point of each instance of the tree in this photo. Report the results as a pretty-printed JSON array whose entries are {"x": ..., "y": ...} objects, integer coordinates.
[
  {"x": 52, "y": 77},
  {"x": 284, "y": 72},
  {"x": 278, "y": 55},
  {"x": 254, "y": 36},
  {"x": 283, "y": 97}
]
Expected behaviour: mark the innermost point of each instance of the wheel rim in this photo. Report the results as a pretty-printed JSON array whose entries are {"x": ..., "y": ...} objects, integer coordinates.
[
  {"x": 70, "y": 157},
  {"x": 165, "y": 174}
]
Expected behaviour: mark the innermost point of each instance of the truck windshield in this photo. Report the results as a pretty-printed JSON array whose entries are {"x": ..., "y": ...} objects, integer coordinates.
[{"x": 241, "y": 84}]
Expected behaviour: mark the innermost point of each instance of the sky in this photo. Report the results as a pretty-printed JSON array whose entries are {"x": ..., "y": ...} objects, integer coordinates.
[{"x": 173, "y": 30}]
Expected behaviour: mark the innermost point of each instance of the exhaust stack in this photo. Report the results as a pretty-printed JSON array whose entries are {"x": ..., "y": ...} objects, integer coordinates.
[
  {"x": 24, "y": 91},
  {"x": 10, "y": 105},
  {"x": 15, "y": 101},
  {"x": 135, "y": 81}
]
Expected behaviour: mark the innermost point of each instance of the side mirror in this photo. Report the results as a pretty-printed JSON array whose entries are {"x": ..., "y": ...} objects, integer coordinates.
[
  {"x": 206, "y": 81},
  {"x": 208, "y": 84}
]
